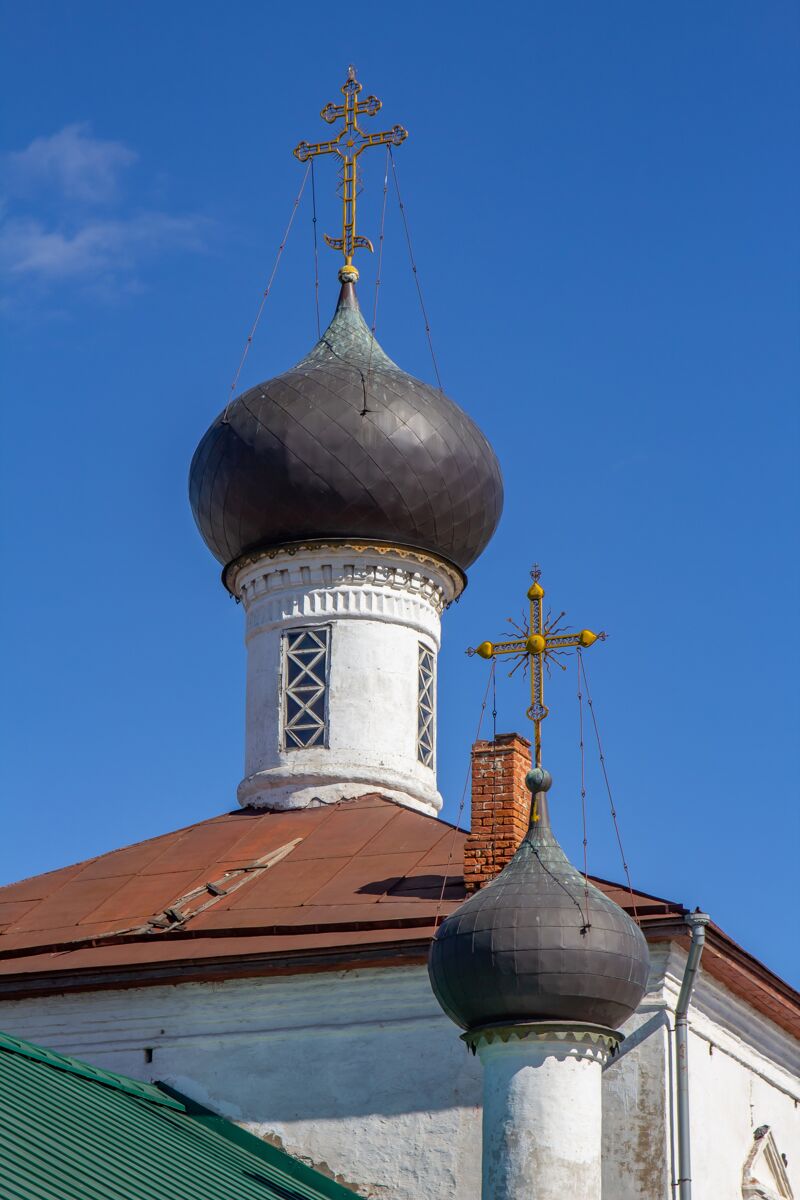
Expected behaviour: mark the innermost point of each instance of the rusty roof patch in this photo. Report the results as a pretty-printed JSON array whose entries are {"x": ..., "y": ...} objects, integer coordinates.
[{"x": 364, "y": 883}]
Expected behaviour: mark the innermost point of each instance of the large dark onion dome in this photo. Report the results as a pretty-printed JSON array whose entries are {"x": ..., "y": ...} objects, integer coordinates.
[
  {"x": 526, "y": 948},
  {"x": 346, "y": 445}
]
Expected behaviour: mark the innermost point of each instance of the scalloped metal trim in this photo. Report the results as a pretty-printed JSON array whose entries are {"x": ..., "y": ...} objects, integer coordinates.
[{"x": 544, "y": 1031}]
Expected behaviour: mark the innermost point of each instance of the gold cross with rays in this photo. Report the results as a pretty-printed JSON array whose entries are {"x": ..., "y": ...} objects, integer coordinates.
[
  {"x": 350, "y": 142},
  {"x": 542, "y": 643}
]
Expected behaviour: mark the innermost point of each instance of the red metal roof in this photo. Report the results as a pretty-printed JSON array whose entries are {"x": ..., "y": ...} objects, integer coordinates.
[
  {"x": 279, "y": 881},
  {"x": 254, "y": 892}
]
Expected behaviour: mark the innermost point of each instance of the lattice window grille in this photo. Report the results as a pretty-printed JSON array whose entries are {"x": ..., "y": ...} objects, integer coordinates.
[
  {"x": 426, "y": 705},
  {"x": 305, "y": 687}
]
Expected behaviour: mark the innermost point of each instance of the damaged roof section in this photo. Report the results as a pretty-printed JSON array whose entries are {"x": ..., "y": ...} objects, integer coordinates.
[
  {"x": 248, "y": 882},
  {"x": 359, "y": 883}
]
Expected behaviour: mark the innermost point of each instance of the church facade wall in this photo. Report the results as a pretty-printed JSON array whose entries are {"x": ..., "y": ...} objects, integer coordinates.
[
  {"x": 744, "y": 1073},
  {"x": 359, "y": 1074},
  {"x": 636, "y": 1135}
]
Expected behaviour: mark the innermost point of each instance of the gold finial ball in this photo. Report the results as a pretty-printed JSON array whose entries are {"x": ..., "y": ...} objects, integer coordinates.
[
  {"x": 485, "y": 650},
  {"x": 535, "y": 591},
  {"x": 587, "y": 638},
  {"x": 348, "y": 273},
  {"x": 535, "y": 644}
]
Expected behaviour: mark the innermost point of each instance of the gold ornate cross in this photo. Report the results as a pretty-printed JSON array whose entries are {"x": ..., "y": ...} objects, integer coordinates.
[
  {"x": 542, "y": 642},
  {"x": 348, "y": 145}
]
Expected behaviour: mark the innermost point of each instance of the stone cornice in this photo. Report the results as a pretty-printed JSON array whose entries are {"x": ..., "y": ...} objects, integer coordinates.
[
  {"x": 738, "y": 971},
  {"x": 235, "y": 964},
  {"x": 414, "y": 570},
  {"x": 330, "y": 582},
  {"x": 729, "y": 1022}
]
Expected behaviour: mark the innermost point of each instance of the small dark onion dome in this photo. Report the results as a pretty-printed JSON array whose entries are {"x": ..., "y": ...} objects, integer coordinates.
[
  {"x": 526, "y": 948},
  {"x": 346, "y": 445}
]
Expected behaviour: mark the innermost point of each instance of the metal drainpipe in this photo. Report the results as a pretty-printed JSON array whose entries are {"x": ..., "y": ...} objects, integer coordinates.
[{"x": 697, "y": 922}]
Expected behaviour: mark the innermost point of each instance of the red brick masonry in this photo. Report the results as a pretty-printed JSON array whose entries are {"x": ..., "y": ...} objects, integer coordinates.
[{"x": 500, "y": 806}]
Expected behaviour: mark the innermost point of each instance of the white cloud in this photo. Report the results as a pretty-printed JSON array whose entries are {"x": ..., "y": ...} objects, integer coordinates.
[
  {"x": 28, "y": 248},
  {"x": 50, "y": 228},
  {"x": 72, "y": 163}
]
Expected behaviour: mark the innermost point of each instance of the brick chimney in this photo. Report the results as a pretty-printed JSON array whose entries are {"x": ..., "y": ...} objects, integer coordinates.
[{"x": 500, "y": 806}]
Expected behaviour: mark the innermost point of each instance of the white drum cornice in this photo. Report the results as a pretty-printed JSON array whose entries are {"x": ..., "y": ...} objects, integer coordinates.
[{"x": 376, "y": 608}]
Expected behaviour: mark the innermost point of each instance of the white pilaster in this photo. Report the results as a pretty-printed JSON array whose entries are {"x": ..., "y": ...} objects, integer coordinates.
[
  {"x": 378, "y": 604},
  {"x": 542, "y": 1115}
]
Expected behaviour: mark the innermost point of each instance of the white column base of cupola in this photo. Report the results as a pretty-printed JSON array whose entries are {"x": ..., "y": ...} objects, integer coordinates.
[
  {"x": 542, "y": 1115},
  {"x": 376, "y": 606}
]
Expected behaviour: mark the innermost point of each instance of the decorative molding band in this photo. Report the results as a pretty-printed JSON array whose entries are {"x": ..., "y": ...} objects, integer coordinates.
[
  {"x": 419, "y": 573},
  {"x": 592, "y": 1040},
  {"x": 332, "y": 581},
  {"x": 325, "y": 604}
]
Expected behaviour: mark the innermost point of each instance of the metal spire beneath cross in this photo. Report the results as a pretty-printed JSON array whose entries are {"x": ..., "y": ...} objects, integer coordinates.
[
  {"x": 350, "y": 142},
  {"x": 542, "y": 643}
]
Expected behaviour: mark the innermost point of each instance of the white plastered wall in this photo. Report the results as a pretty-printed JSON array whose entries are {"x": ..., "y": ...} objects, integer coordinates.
[
  {"x": 360, "y": 1074},
  {"x": 379, "y": 606},
  {"x": 636, "y": 1146},
  {"x": 744, "y": 1072}
]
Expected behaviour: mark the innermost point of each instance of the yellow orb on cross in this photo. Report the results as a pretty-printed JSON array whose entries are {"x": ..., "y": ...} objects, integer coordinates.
[{"x": 539, "y": 643}]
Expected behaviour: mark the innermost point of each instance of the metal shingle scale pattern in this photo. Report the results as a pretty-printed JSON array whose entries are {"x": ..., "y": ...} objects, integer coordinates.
[{"x": 345, "y": 445}]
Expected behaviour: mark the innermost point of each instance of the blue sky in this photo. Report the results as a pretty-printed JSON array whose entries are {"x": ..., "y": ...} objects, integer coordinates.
[{"x": 603, "y": 204}]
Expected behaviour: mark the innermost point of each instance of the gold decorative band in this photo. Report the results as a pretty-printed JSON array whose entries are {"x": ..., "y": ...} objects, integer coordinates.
[{"x": 455, "y": 575}]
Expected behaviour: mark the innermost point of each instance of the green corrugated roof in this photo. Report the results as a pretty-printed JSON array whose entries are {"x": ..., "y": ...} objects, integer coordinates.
[{"x": 69, "y": 1131}]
